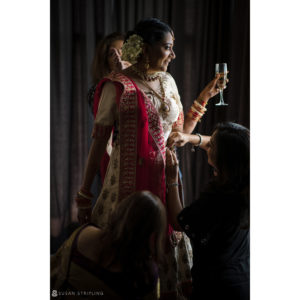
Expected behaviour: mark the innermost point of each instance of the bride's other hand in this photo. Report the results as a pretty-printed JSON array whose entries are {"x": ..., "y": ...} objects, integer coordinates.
[{"x": 171, "y": 167}]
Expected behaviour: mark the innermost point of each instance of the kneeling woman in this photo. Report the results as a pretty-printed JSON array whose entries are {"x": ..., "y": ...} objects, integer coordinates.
[
  {"x": 118, "y": 262},
  {"x": 218, "y": 222}
]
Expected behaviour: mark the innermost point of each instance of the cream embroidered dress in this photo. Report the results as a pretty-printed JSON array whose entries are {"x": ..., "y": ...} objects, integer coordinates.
[{"x": 178, "y": 261}]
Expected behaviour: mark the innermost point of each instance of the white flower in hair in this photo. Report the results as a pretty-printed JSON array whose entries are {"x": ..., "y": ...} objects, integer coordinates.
[{"x": 132, "y": 48}]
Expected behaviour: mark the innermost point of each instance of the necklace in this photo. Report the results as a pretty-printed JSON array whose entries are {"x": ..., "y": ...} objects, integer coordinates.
[
  {"x": 164, "y": 107},
  {"x": 144, "y": 76}
]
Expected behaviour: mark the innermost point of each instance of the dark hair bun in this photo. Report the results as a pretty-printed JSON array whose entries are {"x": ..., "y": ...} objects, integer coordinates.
[{"x": 152, "y": 30}]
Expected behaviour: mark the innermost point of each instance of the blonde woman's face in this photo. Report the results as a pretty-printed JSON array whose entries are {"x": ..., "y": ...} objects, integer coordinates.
[{"x": 118, "y": 44}]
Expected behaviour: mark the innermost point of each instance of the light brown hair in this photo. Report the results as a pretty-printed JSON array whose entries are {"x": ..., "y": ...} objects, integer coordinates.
[
  {"x": 138, "y": 218},
  {"x": 100, "y": 66}
]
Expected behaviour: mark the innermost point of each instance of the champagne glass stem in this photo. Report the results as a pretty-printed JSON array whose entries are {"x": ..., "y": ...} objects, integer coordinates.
[
  {"x": 221, "y": 97},
  {"x": 221, "y": 103}
]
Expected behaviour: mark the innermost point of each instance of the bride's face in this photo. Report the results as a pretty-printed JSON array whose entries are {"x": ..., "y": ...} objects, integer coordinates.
[{"x": 161, "y": 54}]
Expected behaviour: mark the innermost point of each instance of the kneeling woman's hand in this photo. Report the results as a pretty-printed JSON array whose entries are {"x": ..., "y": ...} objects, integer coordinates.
[{"x": 178, "y": 139}]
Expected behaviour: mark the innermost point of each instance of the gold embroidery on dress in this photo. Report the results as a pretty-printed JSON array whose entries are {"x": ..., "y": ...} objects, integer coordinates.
[
  {"x": 112, "y": 179},
  {"x": 105, "y": 194}
]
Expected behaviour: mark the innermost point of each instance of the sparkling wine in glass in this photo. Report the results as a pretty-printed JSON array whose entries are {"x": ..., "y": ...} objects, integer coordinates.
[{"x": 222, "y": 70}]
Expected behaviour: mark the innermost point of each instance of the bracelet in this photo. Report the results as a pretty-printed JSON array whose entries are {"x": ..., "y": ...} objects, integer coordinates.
[
  {"x": 199, "y": 144},
  {"x": 193, "y": 116},
  {"x": 89, "y": 197},
  {"x": 200, "y": 141},
  {"x": 195, "y": 110},
  {"x": 201, "y": 107},
  {"x": 201, "y": 102},
  {"x": 172, "y": 184}
]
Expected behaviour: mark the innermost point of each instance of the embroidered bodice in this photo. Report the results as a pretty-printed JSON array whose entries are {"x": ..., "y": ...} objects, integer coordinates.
[
  {"x": 108, "y": 114},
  {"x": 172, "y": 99}
]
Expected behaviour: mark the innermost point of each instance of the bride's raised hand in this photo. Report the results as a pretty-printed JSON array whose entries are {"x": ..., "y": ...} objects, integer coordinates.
[{"x": 210, "y": 90}]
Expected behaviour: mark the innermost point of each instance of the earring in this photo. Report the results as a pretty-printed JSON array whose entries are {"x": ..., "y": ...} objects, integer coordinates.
[{"x": 147, "y": 65}]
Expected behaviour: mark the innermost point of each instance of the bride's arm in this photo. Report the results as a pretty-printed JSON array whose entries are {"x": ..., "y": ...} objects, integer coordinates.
[{"x": 181, "y": 133}]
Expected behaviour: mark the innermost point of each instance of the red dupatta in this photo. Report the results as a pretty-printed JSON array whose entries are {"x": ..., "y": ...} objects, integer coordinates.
[{"x": 142, "y": 145}]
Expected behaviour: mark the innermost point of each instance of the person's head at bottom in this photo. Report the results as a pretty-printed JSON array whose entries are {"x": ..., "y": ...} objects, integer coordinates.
[
  {"x": 137, "y": 228},
  {"x": 130, "y": 245}
]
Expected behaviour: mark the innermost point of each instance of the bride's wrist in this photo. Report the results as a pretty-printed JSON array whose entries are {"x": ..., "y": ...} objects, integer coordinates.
[
  {"x": 202, "y": 100},
  {"x": 172, "y": 183}
]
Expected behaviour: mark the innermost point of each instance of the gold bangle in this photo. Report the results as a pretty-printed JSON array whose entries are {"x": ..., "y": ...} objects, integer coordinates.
[
  {"x": 85, "y": 196},
  {"x": 201, "y": 100},
  {"x": 202, "y": 108},
  {"x": 196, "y": 111},
  {"x": 194, "y": 118}
]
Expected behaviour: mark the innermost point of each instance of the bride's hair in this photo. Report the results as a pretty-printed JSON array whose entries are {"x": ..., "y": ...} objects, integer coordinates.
[{"x": 151, "y": 30}]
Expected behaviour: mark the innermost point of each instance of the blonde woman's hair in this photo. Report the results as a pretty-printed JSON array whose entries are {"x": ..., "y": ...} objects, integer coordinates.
[
  {"x": 138, "y": 218},
  {"x": 100, "y": 66}
]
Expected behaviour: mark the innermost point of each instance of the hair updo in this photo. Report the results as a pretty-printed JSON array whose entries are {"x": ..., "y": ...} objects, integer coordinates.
[{"x": 151, "y": 30}]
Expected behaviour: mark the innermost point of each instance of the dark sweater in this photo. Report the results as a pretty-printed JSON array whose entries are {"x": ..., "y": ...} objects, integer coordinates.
[{"x": 220, "y": 247}]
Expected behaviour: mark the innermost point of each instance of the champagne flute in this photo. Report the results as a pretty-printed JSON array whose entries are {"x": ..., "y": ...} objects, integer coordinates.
[{"x": 222, "y": 70}]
